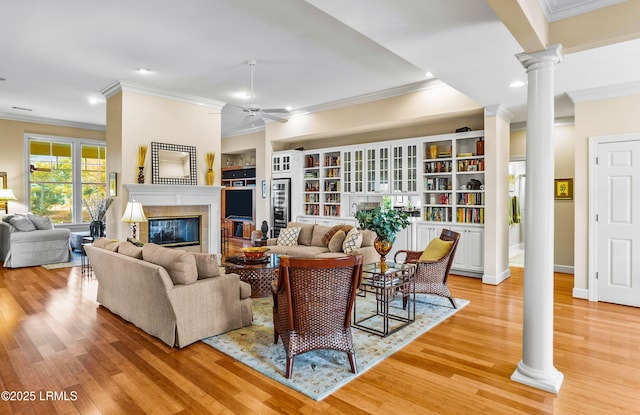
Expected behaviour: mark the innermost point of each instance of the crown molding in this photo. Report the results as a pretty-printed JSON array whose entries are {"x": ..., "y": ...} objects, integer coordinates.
[
  {"x": 51, "y": 121},
  {"x": 244, "y": 131},
  {"x": 605, "y": 92},
  {"x": 557, "y": 10},
  {"x": 558, "y": 122},
  {"x": 117, "y": 86},
  {"x": 499, "y": 111}
]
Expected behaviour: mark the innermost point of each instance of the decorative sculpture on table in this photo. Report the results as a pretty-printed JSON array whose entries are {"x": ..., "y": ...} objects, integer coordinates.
[{"x": 265, "y": 230}]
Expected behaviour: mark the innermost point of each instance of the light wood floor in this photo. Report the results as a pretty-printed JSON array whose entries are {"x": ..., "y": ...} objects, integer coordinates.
[{"x": 54, "y": 337}]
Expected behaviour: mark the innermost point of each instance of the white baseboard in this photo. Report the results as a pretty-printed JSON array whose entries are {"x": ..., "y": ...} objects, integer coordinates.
[
  {"x": 580, "y": 293},
  {"x": 495, "y": 280},
  {"x": 565, "y": 269}
]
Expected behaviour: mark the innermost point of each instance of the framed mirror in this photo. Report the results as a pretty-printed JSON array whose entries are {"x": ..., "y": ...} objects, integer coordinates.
[{"x": 173, "y": 164}]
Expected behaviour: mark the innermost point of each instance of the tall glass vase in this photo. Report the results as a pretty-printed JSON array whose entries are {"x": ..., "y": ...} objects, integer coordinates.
[
  {"x": 141, "y": 175},
  {"x": 382, "y": 247}
]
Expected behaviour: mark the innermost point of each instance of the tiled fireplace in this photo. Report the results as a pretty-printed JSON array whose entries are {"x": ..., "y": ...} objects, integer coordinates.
[{"x": 171, "y": 201}]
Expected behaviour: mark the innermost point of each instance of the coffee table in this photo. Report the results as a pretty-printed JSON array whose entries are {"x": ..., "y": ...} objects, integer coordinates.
[
  {"x": 397, "y": 279},
  {"x": 259, "y": 274}
]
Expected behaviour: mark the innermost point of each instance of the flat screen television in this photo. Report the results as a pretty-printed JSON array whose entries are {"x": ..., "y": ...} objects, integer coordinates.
[{"x": 239, "y": 203}]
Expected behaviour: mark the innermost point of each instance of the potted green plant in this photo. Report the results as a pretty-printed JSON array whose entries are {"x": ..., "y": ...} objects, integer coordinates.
[{"x": 386, "y": 223}]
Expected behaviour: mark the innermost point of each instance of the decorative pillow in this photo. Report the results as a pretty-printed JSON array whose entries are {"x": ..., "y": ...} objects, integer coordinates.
[
  {"x": 306, "y": 232},
  {"x": 352, "y": 241},
  {"x": 22, "y": 223},
  {"x": 7, "y": 218},
  {"x": 129, "y": 249},
  {"x": 327, "y": 236},
  {"x": 319, "y": 232},
  {"x": 181, "y": 265},
  {"x": 106, "y": 243},
  {"x": 335, "y": 244},
  {"x": 135, "y": 241},
  {"x": 40, "y": 222},
  {"x": 436, "y": 250},
  {"x": 207, "y": 265},
  {"x": 288, "y": 236}
]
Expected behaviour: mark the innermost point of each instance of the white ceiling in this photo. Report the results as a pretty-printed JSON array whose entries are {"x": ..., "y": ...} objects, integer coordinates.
[{"x": 56, "y": 56}]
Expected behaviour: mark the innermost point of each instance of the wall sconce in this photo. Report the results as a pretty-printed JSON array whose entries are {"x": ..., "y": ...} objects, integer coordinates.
[
  {"x": 133, "y": 215},
  {"x": 5, "y": 196}
]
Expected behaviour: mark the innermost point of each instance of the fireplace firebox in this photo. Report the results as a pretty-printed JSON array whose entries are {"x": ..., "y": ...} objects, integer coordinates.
[{"x": 175, "y": 231}]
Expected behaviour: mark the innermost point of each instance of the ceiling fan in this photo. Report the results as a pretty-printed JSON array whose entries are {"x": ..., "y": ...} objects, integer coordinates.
[{"x": 254, "y": 112}]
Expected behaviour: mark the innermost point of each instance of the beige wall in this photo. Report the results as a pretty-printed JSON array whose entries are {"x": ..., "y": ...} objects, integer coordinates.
[
  {"x": 433, "y": 104},
  {"x": 564, "y": 139},
  {"x": 12, "y": 152},
  {"x": 135, "y": 119},
  {"x": 595, "y": 118}
]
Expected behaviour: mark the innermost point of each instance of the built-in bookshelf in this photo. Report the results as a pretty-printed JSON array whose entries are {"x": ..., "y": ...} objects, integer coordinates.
[
  {"x": 322, "y": 184},
  {"x": 454, "y": 181}
]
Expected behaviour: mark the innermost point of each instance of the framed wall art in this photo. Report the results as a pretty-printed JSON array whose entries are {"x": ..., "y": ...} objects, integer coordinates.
[{"x": 564, "y": 189}]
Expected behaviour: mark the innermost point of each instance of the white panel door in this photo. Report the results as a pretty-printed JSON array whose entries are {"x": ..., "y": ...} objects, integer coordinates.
[{"x": 618, "y": 226}]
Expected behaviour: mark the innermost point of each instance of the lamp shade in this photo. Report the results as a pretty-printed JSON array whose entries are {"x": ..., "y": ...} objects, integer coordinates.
[
  {"x": 7, "y": 194},
  {"x": 134, "y": 213}
]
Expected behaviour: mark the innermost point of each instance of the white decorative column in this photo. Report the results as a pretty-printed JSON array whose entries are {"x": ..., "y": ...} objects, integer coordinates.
[{"x": 536, "y": 367}]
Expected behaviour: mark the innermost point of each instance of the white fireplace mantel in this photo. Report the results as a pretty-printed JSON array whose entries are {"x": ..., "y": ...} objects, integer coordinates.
[{"x": 181, "y": 195}]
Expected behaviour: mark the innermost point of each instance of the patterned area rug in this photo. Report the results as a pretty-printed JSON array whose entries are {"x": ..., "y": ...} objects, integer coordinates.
[
  {"x": 76, "y": 261},
  {"x": 319, "y": 373}
]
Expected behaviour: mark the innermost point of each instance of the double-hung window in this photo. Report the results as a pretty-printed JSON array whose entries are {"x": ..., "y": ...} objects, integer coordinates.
[{"x": 62, "y": 172}]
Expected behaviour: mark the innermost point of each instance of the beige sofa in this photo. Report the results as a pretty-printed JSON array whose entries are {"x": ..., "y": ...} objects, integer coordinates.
[
  {"x": 310, "y": 244},
  {"x": 176, "y": 296}
]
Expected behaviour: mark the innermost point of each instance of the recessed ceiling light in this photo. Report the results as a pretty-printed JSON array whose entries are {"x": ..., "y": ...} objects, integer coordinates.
[
  {"x": 288, "y": 108},
  {"x": 241, "y": 95},
  {"x": 516, "y": 84},
  {"x": 94, "y": 100},
  {"x": 144, "y": 71},
  {"x": 428, "y": 75}
]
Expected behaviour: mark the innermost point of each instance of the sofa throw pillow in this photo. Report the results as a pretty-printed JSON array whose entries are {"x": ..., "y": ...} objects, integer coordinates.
[
  {"x": 107, "y": 243},
  {"x": 368, "y": 237},
  {"x": 181, "y": 265},
  {"x": 288, "y": 236},
  {"x": 335, "y": 244},
  {"x": 436, "y": 249},
  {"x": 327, "y": 237},
  {"x": 352, "y": 241},
  {"x": 306, "y": 232},
  {"x": 42, "y": 223},
  {"x": 135, "y": 241},
  {"x": 129, "y": 249},
  {"x": 319, "y": 232},
  {"x": 207, "y": 265},
  {"x": 22, "y": 223}
]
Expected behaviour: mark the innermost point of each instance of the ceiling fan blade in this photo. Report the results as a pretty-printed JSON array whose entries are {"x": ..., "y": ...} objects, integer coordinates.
[
  {"x": 274, "y": 118},
  {"x": 276, "y": 110},
  {"x": 237, "y": 106}
]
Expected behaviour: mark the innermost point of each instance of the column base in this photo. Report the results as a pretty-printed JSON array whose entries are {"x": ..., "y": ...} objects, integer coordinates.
[{"x": 549, "y": 381}]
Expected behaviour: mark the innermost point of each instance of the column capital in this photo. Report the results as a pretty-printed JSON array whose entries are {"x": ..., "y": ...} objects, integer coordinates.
[{"x": 551, "y": 55}]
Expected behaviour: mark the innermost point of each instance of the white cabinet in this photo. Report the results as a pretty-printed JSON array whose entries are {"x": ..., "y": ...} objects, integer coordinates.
[
  {"x": 404, "y": 168},
  {"x": 424, "y": 233},
  {"x": 353, "y": 171},
  {"x": 469, "y": 257},
  {"x": 281, "y": 162},
  {"x": 403, "y": 241},
  {"x": 470, "y": 252},
  {"x": 325, "y": 221},
  {"x": 377, "y": 169}
]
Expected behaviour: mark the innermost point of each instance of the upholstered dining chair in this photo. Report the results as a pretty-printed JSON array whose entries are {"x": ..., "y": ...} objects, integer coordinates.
[
  {"x": 433, "y": 264},
  {"x": 312, "y": 303}
]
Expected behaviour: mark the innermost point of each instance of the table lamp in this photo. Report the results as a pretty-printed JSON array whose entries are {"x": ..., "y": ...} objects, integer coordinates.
[
  {"x": 5, "y": 196},
  {"x": 133, "y": 215}
]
